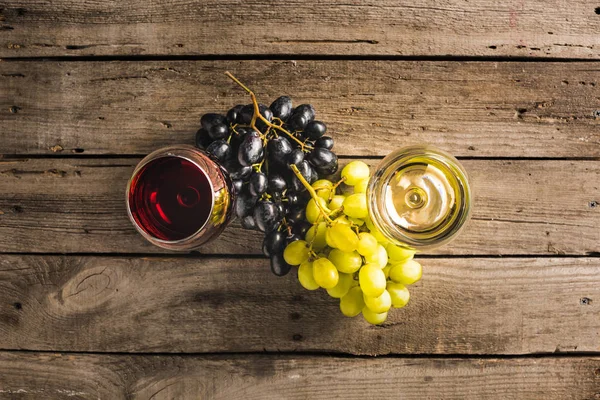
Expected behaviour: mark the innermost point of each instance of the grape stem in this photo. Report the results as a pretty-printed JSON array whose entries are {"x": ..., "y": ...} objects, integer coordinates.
[
  {"x": 312, "y": 192},
  {"x": 337, "y": 212},
  {"x": 257, "y": 114},
  {"x": 334, "y": 188}
]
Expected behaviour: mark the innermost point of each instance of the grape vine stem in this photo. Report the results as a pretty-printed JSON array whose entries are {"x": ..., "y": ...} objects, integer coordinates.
[
  {"x": 312, "y": 192},
  {"x": 257, "y": 114}
]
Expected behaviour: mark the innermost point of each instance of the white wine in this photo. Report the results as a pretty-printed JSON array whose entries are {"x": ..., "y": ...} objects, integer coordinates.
[{"x": 419, "y": 197}]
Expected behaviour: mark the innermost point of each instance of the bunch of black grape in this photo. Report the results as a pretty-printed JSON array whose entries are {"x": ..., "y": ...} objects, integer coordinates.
[{"x": 258, "y": 154}]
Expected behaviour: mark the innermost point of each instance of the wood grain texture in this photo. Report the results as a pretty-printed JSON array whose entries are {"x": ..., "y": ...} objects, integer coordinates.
[
  {"x": 167, "y": 304},
  {"x": 506, "y": 109},
  {"x": 270, "y": 377},
  {"x": 77, "y": 205},
  {"x": 537, "y": 28}
]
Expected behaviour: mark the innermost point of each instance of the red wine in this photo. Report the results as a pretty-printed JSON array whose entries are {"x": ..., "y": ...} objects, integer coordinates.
[{"x": 170, "y": 198}]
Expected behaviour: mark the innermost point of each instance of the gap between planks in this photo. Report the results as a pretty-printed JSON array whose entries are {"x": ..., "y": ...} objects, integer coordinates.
[{"x": 320, "y": 354}]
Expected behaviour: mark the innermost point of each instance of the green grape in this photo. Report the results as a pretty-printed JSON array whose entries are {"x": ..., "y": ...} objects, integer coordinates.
[
  {"x": 398, "y": 293},
  {"x": 379, "y": 236},
  {"x": 372, "y": 280},
  {"x": 343, "y": 286},
  {"x": 325, "y": 273},
  {"x": 407, "y": 272},
  {"x": 342, "y": 219},
  {"x": 374, "y": 318},
  {"x": 380, "y": 257},
  {"x": 367, "y": 244},
  {"x": 379, "y": 304},
  {"x": 345, "y": 262},
  {"x": 355, "y": 206},
  {"x": 313, "y": 213},
  {"x": 329, "y": 238},
  {"x": 352, "y": 303},
  {"x": 369, "y": 223},
  {"x": 383, "y": 256},
  {"x": 316, "y": 236},
  {"x": 296, "y": 252},
  {"x": 354, "y": 172},
  {"x": 305, "y": 276},
  {"x": 386, "y": 271},
  {"x": 323, "y": 187},
  {"x": 336, "y": 202},
  {"x": 356, "y": 221},
  {"x": 361, "y": 187},
  {"x": 341, "y": 236},
  {"x": 397, "y": 253}
]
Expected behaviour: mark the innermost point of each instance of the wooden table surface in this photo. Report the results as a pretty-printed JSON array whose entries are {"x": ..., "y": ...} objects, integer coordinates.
[{"x": 88, "y": 309}]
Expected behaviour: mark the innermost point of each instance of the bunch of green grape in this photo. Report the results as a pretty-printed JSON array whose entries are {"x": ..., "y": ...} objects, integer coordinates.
[{"x": 345, "y": 254}]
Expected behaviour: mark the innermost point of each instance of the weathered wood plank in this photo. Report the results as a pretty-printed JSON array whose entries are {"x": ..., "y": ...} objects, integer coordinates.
[
  {"x": 82, "y": 376},
  {"x": 375, "y": 27},
  {"x": 461, "y": 306},
  {"x": 77, "y": 205},
  {"x": 507, "y": 109}
]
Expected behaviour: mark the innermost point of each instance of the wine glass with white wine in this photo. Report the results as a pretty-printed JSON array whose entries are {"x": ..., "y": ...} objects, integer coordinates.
[{"x": 419, "y": 197}]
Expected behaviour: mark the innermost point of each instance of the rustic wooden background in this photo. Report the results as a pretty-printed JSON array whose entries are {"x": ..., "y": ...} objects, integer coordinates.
[{"x": 89, "y": 310}]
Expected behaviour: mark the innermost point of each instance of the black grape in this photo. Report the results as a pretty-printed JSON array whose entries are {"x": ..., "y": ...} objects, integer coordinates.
[
  {"x": 295, "y": 157},
  {"x": 301, "y": 116},
  {"x": 244, "y": 204},
  {"x": 248, "y": 222},
  {"x": 306, "y": 170},
  {"x": 315, "y": 130},
  {"x": 240, "y": 172},
  {"x": 266, "y": 215},
  {"x": 258, "y": 183},
  {"x": 328, "y": 170},
  {"x": 234, "y": 113},
  {"x": 295, "y": 214},
  {"x": 282, "y": 107},
  {"x": 273, "y": 243},
  {"x": 314, "y": 175},
  {"x": 306, "y": 109},
  {"x": 251, "y": 149},
  {"x": 296, "y": 122},
  {"x": 278, "y": 149},
  {"x": 278, "y": 265},
  {"x": 238, "y": 184},
  {"x": 209, "y": 120},
  {"x": 246, "y": 113},
  {"x": 220, "y": 149},
  {"x": 237, "y": 137},
  {"x": 218, "y": 131},
  {"x": 293, "y": 198},
  {"x": 301, "y": 227},
  {"x": 324, "y": 161},
  {"x": 241, "y": 132},
  {"x": 276, "y": 184},
  {"x": 202, "y": 139},
  {"x": 324, "y": 142},
  {"x": 295, "y": 184},
  {"x": 281, "y": 208}
]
